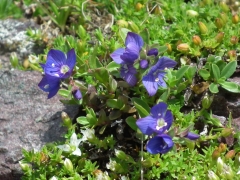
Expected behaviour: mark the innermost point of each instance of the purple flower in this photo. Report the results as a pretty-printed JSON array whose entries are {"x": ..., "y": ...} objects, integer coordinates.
[
  {"x": 58, "y": 67},
  {"x": 192, "y": 136},
  {"x": 77, "y": 94},
  {"x": 143, "y": 63},
  {"x": 161, "y": 143},
  {"x": 155, "y": 76},
  {"x": 126, "y": 56},
  {"x": 159, "y": 120},
  {"x": 152, "y": 52}
]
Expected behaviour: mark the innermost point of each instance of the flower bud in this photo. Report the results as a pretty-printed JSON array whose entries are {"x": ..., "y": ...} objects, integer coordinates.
[
  {"x": 230, "y": 155},
  {"x": 219, "y": 164},
  {"x": 237, "y": 160},
  {"x": 212, "y": 176},
  {"x": 203, "y": 28},
  {"x": 219, "y": 23},
  {"x": 24, "y": 166},
  {"x": 26, "y": 63},
  {"x": 232, "y": 55},
  {"x": 66, "y": 120},
  {"x": 224, "y": 6},
  {"x": 138, "y": 6},
  {"x": 147, "y": 163},
  {"x": 77, "y": 94},
  {"x": 207, "y": 101},
  {"x": 157, "y": 10},
  {"x": 184, "y": 48},
  {"x": 120, "y": 154},
  {"x": 215, "y": 154},
  {"x": 235, "y": 19},
  {"x": 82, "y": 32},
  {"x": 196, "y": 40},
  {"x": 152, "y": 52},
  {"x": 234, "y": 40},
  {"x": 224, "y": 18},
  {"x": 227, "y": 132},
  {"x": 222, "y": 147},
  {"x": 207, "y": 2},
  {"x": 169, "y": 48},
  {"x": 143, "y": 64},
  {"x": 68, "y": 164},
  {"x": 227, "y": 172},
  {"x": 219, "y": 37},
  {"x": 192, "y": 13},
  {"x": 53, "y": 178},
  {"x": 133, "y": 26},
  {"x": 33, "y": 59},
  {"x": 122, "y": 23}
]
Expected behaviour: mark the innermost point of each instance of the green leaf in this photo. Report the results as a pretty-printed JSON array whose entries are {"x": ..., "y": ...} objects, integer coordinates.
[
  {"x": 82, "y": 120},
  {"x": 115, "y": 103},
  {"x": 64, "y": 92},
  {"x": 190, "y": 73},
  {"x": 180, "y": 73},
  {"x": 213, "y": 88},
  {"x": 230, "y": 86},
  {"x": 162, "y": 49},
  {"x": 145, "y": 35},
  {"x": 112, "y": 66},
  {"x": 93, "y": 60},
  {"x": 216, "y": 71},
  {"x": 123, "y": 33},
  {"x": 141, "y": 106},
  {"x": 101, "y": 74},
  {"x": 131, "y": 121},
  {"x": 229, "y": 69},
  {"x": 205, "y": 74}
]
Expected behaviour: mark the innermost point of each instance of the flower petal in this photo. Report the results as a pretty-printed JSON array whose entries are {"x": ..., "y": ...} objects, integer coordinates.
[
  {"x": 77, "y": 152},
  {"x": 160, "y": 144},
  {"x": 116, "y": 55},
  {"x": 147, "y": 125},
  {"x": 150, "y": 84},
  {"x": 131, "y": 53},
  {"x": 128, "y": 72},
  {"x": 64, "y": 147},
  {"x": 55, "y": 60},
  {"x": 162, "y": 63},
  {"x": 134, "y": 38},
  {"x": 168, "y": 118},
  {"x": 50, "y": 84},
  {"x": 159, "y": 110},
  {"x": 74, "y": 140},
  {"x": 143, "y": 64},
  {"x": 192, "y": 136},
  {"x": 71, "y": 59}
]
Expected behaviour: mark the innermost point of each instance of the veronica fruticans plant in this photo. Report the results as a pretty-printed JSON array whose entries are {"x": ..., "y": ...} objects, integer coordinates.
[{"x": 57, "y": 68}]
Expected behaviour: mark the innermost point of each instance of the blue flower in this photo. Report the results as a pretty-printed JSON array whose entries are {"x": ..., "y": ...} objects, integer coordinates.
[
  {"x": 58, "y": 67},
  {"x": 77, "y": 94},
  {"x": 155, "y": 77},
  {"x": 159, "y": 120},
  {"x": 152, "y": 52},
  {"x": 126, "y": 57},
  {"x": 161, "y": 143},
  {"x": 192, "y": 136}
]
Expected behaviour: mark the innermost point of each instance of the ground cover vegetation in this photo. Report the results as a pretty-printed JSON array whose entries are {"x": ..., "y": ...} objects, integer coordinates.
[{"x": 144, "y": 74}]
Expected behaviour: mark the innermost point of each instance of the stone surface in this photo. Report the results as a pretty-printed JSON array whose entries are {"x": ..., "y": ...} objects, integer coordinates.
[
  {"x": 27, "y": 119},
  {"x": 13, "y": 38}
]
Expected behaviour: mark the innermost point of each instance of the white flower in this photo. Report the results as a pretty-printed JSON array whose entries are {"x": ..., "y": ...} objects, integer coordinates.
[
  {"x": 87, "y": 134},
  {"x": 72, "y": 146},
  {"x": 53, "y": 178}
]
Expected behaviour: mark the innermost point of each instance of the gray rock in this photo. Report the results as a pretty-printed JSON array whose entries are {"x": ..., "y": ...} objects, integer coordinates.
[
  {"x": 27, "y": 119},
  {"x": 13, "y": 38}
]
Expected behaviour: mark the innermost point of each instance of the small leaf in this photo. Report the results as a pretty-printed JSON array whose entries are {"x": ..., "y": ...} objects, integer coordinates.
[
  {"x": 229, "y": 69},
  {"x": 230, "y": 86},
  {"x": 82, "y": 120},
  {"x": 64, "y": 92},
  {"x": 101, "y": 74},
  {"x": 213, "y": 88},
  {"x": 112, "y": 66},
  {"x": 112, "y": 84},
  {"x": 131, "y": 121},
  {"x": 216, "y": 71},
  {"x": 115, "y": 103},
  {"x": 115, "y": 114},
  {"x": 180, "y": 73},
  {"x": 141, "y": 106}
]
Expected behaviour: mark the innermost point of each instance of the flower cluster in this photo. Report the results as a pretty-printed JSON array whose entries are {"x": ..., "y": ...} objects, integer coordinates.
[
  {"x": 130, "y": 55},
  {"x": 157, "y": 123},
  {"x": 57, "y": 68}
]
